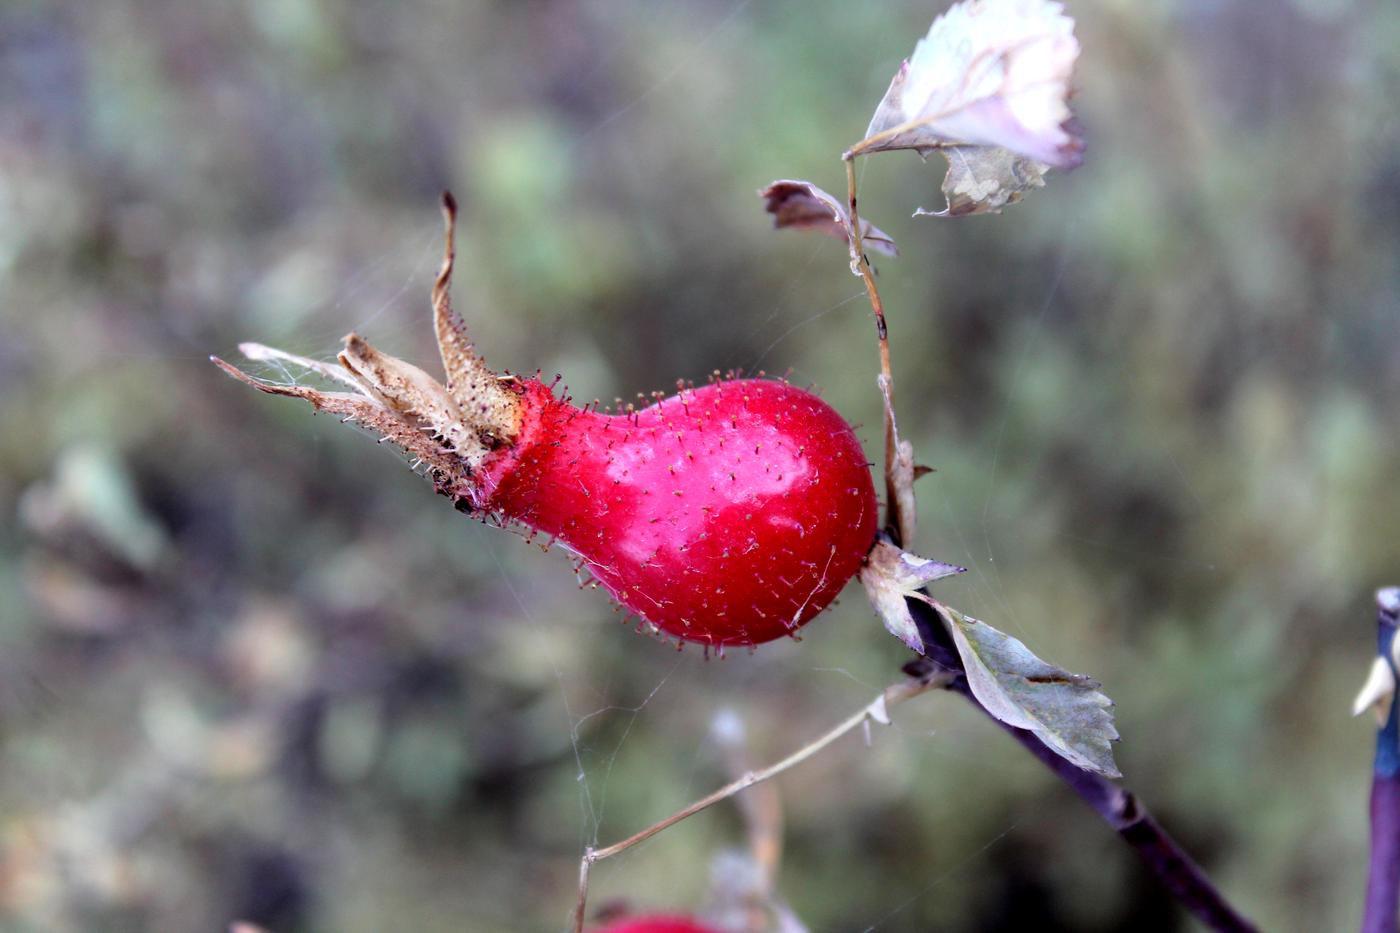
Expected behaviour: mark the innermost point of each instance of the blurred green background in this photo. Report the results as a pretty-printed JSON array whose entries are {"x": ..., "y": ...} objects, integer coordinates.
[{"x": 251, "y": 667}]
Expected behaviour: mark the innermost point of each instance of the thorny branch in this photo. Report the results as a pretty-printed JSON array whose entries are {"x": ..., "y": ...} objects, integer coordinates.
[
  {"x": 897, "y": 519},
  {"x": 1119, "y": 807}
]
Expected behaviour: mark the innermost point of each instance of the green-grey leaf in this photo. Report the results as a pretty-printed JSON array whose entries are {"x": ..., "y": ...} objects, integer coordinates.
[{"x": 1065, "y": 710}]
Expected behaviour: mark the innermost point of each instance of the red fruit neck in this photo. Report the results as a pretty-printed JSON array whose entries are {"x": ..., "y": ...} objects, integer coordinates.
[{"x": 515, "y": 480}]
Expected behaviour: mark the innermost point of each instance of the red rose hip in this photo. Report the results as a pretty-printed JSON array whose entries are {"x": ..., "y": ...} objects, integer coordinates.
[
  {"x": 657, "y": 924},
  {"x": 727, "y": 515}
]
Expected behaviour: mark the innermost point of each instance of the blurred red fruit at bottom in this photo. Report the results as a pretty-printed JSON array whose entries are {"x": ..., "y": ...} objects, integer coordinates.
[{"x": 657, "y": 924}]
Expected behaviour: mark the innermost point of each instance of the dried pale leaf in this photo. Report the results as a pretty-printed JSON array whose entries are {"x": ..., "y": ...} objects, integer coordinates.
[
  {"x": 984, "y": 179},
  {"x": 989, "y": 73},
  {"x": 1378, "y": 693},
  {"x": 891, "y": 576},
  {"x": 1066, "y": 711},
  {"x": 889, "y": 603},
  {"x": 910, "y": 571},
  {"x": 801, "y": 205}
]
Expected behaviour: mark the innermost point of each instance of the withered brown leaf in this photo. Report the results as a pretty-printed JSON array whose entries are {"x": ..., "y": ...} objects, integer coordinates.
[{"x": 802, "y": 205}]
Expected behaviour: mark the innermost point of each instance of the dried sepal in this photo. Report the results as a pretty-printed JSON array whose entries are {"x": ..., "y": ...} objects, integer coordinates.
[
  {"x": 1066, "y": 711},
  {"x": 408, "y": 390},
  {"x": 801, "y": 205},
  {"x": 984, "y": 179},
  {"x": 449, "y": 428},
  {"x": 891, "y": 576},
  {"x": 989, "y": 73},
  {"x": 479, "y": 392},
  {"x": 449, "y": 471},
  {"x": 263, "y": 354}
]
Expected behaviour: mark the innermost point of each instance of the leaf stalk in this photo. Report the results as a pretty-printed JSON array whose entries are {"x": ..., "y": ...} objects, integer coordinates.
[{"x": 876, "y": 710}]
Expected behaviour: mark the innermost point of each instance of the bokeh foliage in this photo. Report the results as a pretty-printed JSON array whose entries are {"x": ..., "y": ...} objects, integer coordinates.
[{"x": 251, "y": 667}]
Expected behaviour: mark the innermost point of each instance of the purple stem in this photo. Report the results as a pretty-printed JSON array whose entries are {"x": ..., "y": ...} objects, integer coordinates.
[
  {"x": 1383, "y": 881},
  {"x": 1122, "y": 811},
  {"x": 1118, "y": 806},
  {"x": 1383, "y": 878}
]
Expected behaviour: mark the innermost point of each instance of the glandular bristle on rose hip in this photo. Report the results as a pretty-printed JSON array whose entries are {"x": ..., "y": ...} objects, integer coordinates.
[{"x": 726, "y": 514}]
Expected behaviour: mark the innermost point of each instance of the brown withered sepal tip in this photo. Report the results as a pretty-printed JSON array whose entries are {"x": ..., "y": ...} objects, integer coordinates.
[{"x": 448, "y": 428}]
